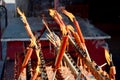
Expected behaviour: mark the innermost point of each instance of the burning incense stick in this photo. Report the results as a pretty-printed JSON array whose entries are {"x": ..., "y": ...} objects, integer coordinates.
[
  {"x": 27, "y": 26},
  {"x": 78, "y": 30},
  {"x": 58, "y": 19},
  {"x": 33, "y": 44},
  {"x": 73, "y": 19}
]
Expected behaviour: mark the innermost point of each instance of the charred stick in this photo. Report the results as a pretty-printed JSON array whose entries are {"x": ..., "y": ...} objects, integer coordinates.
[
  {"x": 46, "y": 25},
  {"x": 37, "y": 70}
]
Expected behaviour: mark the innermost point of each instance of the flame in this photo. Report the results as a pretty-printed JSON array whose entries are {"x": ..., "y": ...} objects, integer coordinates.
[
  {"x": 69, "y": 27},
  {"x": 18, "y": 10},
  {"x": 70, "y": 15},
  {"x": 22, "y": 15},
  {"x": 52, "y": 12},
  {"x": 56, "y": 15},
  {"x": 58, "y": 19},
  {"x": 107, "y": 56}
]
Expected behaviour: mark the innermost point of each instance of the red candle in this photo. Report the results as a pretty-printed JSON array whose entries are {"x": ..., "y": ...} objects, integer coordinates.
[
  {"x": 78, "y": 30},
  {"x": 61, "y": 51}
]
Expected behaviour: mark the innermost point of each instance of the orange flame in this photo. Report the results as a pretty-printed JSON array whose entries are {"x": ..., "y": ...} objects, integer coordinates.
[
  {"x": 70, "y": 28},
  {"x": 70, "y": 15},
  {"x": 107, "y": 56},
  {"x": 52, "y": 12},
  {"x": 58, "y": 19}
]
